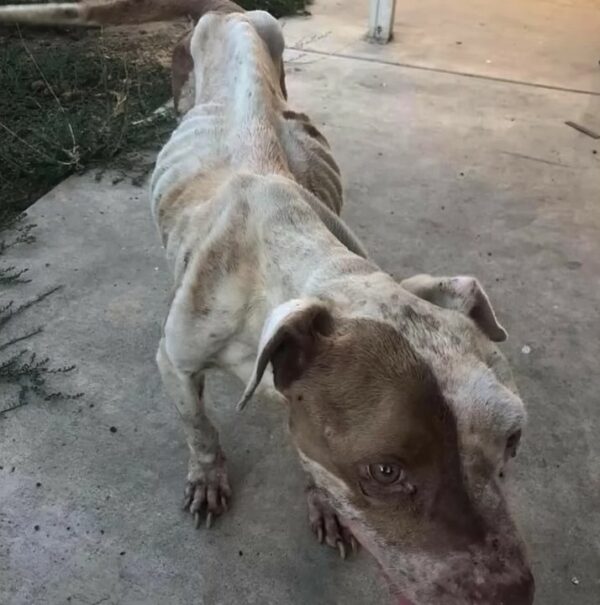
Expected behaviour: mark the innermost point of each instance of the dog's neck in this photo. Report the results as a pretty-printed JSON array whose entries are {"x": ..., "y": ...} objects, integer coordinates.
[
  {"x": 360, "y": 289},
  {"x": 308, "y": 259}
]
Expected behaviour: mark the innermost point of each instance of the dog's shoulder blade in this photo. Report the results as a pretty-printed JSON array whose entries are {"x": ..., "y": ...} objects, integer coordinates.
[{"x": 190, "y": 198}]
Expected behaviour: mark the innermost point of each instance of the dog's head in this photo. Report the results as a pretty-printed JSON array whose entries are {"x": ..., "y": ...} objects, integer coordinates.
[{"x": 407, "y": 421}]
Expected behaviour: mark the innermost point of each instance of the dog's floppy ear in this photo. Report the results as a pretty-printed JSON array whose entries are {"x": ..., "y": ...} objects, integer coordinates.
[
  {"x": 289, "y": 341},
  {"x": 461, "y": 293}
]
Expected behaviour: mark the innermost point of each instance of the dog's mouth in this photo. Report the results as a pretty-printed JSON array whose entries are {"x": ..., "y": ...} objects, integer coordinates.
[{"x": 519, "y": 592}]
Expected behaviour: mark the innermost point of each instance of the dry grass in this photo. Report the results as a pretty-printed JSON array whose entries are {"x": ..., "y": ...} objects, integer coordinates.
[{"x": 68, "y": 104}]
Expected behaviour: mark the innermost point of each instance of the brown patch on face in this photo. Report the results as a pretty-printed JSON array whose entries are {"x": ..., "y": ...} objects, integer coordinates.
[
  {"x": 375, "y": 431},
  {"x": 382, "y": 404}
]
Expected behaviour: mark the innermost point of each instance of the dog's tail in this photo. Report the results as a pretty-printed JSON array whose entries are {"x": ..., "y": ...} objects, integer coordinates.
[{"x": 112, "y": 12}]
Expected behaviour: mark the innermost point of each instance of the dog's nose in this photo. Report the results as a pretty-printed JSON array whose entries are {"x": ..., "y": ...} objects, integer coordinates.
[{"x": 518, "y": 593}]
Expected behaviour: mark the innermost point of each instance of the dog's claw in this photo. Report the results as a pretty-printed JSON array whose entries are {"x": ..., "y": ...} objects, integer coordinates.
[
  {"x": 320, "y": 535},
  {"x": 187, "y": 497},
  {"x": 207, "y": 492},
  {"x": 328, "y": 526}
]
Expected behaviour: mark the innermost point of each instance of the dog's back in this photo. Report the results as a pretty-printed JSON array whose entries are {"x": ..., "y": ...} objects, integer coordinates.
[
  {"x": 231, "y": 103},
  {"x": 236, "y": 121}
]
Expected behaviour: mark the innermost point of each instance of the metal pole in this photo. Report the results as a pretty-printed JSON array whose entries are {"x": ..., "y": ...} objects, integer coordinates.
[{"x": 381, "y": 20}]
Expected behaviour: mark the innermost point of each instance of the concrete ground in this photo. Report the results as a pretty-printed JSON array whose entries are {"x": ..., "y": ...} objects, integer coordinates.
[{"x": 452, "y": 165}]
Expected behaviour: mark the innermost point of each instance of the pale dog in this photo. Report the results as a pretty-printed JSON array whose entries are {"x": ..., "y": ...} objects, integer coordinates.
[{"x": 401, "y": 406}]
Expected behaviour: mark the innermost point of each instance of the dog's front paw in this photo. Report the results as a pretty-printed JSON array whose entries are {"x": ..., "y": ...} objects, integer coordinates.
[
  {"x": 327, "y": 525},
  {"x": 207, "y": 492}
]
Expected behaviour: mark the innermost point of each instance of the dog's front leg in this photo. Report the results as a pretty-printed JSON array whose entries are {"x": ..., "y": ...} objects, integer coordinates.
[{"x": 207, "y": 490}]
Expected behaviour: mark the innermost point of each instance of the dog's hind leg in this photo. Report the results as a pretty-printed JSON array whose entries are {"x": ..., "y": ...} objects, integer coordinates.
[{"x": 207, "y": 491}]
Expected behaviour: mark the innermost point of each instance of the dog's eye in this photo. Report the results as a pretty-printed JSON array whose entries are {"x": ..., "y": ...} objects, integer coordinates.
[
  {"x": 512, "y": 444},
  {"x": 384, "y": 480},
  {"x": 385, "y": 473}
]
